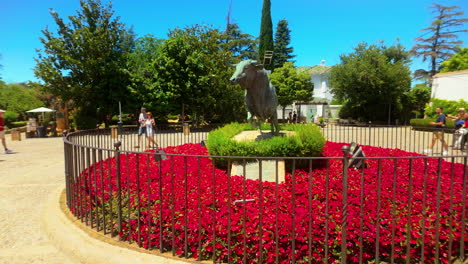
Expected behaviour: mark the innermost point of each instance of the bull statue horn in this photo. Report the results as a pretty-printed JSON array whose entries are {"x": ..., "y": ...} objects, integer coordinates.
[{"x": 230, "y": 65}]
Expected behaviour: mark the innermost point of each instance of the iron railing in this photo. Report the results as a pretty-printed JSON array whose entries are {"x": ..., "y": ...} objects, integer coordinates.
[{"x": 400, "y": 208}]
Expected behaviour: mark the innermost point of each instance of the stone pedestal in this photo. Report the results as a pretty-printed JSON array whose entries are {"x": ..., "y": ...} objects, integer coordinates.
[
  {"x": 252, "y": 170},
  {"x": 252, "y": 167}
]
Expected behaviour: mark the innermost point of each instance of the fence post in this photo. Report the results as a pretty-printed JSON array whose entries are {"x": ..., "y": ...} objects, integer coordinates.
[
  {"x": 119, "y": 188},
  {"x": 344, "y": 219}
]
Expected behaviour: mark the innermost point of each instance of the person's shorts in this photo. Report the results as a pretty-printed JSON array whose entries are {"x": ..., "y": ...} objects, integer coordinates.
[
  {"x": 2, "y": 134},
  {"x": 141, "y": 131},
  {"x": 438, "y": 135}
]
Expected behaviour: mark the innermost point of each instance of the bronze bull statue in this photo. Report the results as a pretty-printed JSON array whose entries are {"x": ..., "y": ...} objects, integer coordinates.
[{"x": 260, "y": 96}]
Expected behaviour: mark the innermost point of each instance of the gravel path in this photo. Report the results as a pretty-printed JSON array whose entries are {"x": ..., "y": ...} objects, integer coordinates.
[{"x": 27, "y": 178}]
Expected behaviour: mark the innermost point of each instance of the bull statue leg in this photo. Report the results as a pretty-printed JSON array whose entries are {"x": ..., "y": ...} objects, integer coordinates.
[{"x": 274, "y": 124}]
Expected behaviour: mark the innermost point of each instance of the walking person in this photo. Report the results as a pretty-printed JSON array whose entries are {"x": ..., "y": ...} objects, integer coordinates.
[
  {"x": 142, "y": 126},
  {"x": 149, "y": 127},
  {"x": 459, "y": 121},
  {"x": 2, "y": 133},
  {"x": 438, "y": 133}
]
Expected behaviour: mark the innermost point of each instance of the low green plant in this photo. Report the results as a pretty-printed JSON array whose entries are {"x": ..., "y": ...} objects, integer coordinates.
[
  {"x": 307, "y": 141},
  {"x": 126, "y": 119}
]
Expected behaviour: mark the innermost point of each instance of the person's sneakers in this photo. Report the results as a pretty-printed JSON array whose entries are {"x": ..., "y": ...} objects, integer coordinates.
[
  {"x": 428, "y": 151},
  {"x": 445, "y": 153},
  {"x": 8, "y": 151}
]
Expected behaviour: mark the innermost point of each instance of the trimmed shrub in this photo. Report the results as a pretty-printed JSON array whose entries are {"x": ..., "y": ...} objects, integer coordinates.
[
  {"x": 308, "y": 141},
  {"x": 18, "y": 124},
  {"x": 424, "y": 123}
]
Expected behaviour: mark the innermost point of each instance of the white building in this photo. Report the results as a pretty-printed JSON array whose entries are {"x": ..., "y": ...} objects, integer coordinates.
[
  {"x": 450, "y": 85},
  {"x": 320, "y": 106}
]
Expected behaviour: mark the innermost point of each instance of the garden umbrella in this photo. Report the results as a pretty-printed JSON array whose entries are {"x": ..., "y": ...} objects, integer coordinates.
[{"x": 42, "y": 110}]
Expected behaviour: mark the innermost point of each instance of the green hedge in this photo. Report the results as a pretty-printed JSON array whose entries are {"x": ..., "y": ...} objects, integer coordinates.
[
  {"x": 308, "y": 141},
  {"x": 420, "y": 123},
  {"x": 18, "y": 124}
]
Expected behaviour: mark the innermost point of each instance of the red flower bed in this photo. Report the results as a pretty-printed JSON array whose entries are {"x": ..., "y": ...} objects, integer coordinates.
[{"x": 403, "y": 205}]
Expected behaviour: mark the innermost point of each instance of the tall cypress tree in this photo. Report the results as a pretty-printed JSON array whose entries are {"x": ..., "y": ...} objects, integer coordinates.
[
  {"x": 266, "y": 32},
  {"x": 282, "y": 52}
]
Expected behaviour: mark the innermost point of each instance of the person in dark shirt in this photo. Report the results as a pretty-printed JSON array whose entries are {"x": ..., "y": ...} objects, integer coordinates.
[{"x": 438, "y": 132}]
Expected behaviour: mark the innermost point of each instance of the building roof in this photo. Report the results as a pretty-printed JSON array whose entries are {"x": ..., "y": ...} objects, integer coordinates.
[
  {"x": 317, "y": 69},
  {"x": 451, "y": 73}
]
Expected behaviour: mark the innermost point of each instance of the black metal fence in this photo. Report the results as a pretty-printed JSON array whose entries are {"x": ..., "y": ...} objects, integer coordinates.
[{"x": 398, "y": 207}]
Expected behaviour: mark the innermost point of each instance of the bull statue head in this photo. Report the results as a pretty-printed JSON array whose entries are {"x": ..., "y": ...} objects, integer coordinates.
[{"x": 242, "y": 71}]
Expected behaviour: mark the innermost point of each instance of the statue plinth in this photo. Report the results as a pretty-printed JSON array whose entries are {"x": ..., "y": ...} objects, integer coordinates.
[{"x": 252, "y": 168}]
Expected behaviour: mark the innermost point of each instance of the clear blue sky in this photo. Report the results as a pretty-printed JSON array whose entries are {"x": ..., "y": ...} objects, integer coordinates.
[{"x": 320, "y": 29}]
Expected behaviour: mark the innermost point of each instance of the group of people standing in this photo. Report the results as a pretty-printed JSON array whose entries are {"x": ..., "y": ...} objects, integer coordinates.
[
  {"x": 146, "y": 126},
  {"x": 461, "y": 130}
]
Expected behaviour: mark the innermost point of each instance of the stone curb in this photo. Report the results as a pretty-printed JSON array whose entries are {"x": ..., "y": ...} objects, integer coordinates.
[{"x": 81, "y": 247}]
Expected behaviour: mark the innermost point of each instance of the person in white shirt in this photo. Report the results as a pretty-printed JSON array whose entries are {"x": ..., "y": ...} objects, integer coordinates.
[{"x": 149, "y": 127}]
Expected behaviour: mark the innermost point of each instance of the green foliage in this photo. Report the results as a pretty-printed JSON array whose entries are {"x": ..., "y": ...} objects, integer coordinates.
[
  {"x": 18, "y": 98},
  {"x": 439, "y": 41},
  {"x": 85, "y": 61},
  {"x": 282, "y": 53},
  {"x": 9, "y": 117},
  {"x": 192, "y": 76},
  {"x": 449, "y": 107},
  {"x": 307, "y": 141},
  {"x": 291, "y": 85},
  {"x": 126, "y": 119},
  {"x": 84, "y": 119},
  {"x": 424, "y": 123},
  {"x": 266, "y": 32},
  {"x": 141, "y": 68},
  {"x": 242, "y": 46},
  {"x": 371, "y": 81},
  {"x": 457, "y": 62},
  {"x": 415, "y": 101}
]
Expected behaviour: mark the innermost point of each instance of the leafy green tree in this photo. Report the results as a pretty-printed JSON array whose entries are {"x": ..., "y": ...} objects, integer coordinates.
[
  {"x": 18, "y": 98},
  {"x": 192, "y": 76},
  {"x": 85, "y": 61},
  {"x": 242, "y": 46},
  {"x": 141, "y": 67},
  {"x": 291, "y": 85},
  {"x": 440, "y": 39},
  {"x": 282, "y": 51},
  {"x": 266, "y": 32},
  {"x": 457, "y": 62},
  {"x": 415, "y": 101},
  {"x": 371, "y": 81}
]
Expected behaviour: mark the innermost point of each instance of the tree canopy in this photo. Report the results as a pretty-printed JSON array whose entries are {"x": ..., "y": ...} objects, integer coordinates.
[
  {"x": 192, "y": 76},
  {"x": 18, "y": 98},
  {"x": 291, "y": 85},
  {"x": 85, "y": 60},
  {"x": 371, "y": 81},
  {"x": 457, "y": 62},
  {"x": 439, "y": 41},
  {"x": 282, "y": 50},
  {"x": 242, "y": 46}
]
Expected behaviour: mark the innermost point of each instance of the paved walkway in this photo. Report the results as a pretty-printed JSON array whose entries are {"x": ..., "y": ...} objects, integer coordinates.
[{"x": 27, "y": 178}]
